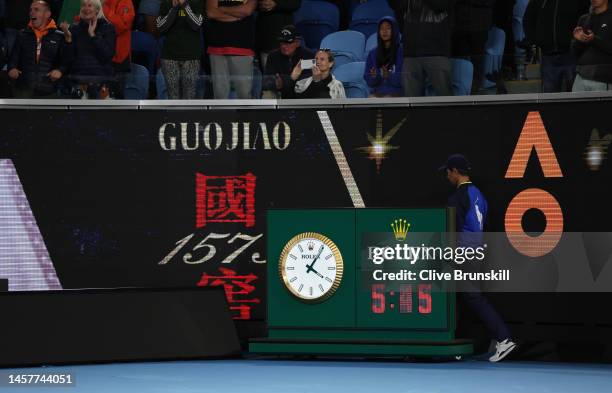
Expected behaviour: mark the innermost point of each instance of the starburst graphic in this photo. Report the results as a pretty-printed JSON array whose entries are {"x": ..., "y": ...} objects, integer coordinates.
[
  {"x": 597, "y": 150},
  {"x": 379, "y": 143}
]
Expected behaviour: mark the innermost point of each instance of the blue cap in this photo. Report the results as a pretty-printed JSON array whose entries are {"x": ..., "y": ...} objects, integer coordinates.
[{"x": 457, "y": 161}]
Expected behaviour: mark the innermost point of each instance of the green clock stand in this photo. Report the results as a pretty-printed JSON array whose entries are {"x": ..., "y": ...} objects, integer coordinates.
[{"x": 322, "y": 302}]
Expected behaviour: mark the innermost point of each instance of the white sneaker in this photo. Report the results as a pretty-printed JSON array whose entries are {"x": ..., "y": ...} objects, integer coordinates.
[{"x": 502, "y": 349}]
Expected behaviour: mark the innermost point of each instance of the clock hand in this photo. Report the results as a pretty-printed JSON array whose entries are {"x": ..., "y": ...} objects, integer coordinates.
[{"x": 309, "y": 267}]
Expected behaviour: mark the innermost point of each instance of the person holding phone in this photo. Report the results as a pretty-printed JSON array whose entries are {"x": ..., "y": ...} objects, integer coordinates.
[
  {"x": 322, "y": 83},
  {"x": 592, "y": 45},
  {"x": 277, "y": 82}
]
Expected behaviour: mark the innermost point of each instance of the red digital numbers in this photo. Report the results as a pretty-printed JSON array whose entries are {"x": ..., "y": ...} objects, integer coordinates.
[
  {"x": 424, "y": 298},
  {"x": 379, "y": 299}
]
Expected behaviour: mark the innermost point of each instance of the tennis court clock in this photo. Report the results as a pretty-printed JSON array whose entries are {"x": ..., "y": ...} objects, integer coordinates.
[
  {"x": 311, "y": 267},
  {"x": 321, "y": 296}
]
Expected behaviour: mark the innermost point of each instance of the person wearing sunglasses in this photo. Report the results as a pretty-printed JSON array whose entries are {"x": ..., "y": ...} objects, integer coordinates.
[{"x": 322, "y": 83}]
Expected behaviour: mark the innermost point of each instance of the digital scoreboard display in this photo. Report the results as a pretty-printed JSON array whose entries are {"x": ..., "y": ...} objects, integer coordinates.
[{"x": 362, "y": 314}]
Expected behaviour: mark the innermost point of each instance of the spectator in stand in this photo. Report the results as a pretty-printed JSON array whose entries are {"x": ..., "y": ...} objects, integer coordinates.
[
  {"x": 272, "y": 16},
  {"x": 92, "y": 43},
  {"x": 150, "y": 10},
  {"x": 277, "y": 82},
  {"x": 38, "y": 59},
  {"x": 18, "y": 12},
  {"x": 180, "y": 22},
  {"x": 322, "y": 83},
  {"x": 546, "y": 24},
  {"x": 121, "y": 14},
  {"x": 231, "y": 46},
  {"x": 473, "y": 20},
  {"x": 427, "y": 45},
  {"x": 593, "y": 47},
  {"x": 383, "y": 71}
]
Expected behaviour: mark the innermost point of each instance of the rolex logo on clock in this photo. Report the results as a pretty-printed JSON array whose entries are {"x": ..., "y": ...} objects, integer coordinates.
[{"x": 311, "y": 267}]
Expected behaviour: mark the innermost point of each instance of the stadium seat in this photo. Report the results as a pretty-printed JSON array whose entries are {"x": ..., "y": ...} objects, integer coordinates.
[
  {"x": 462, "y": 74},
  {"x": 144, "y": 50},
  {"x": 351, "y": 76},
  {"x": 371, "y": 43},
  {"x": 316, "y": 19},
  {"x": 494, "y": 52},
  {"x": 366, "y": 16},
  {"x": 137, "y": 83},
  {"x": 347, "y": 46}
]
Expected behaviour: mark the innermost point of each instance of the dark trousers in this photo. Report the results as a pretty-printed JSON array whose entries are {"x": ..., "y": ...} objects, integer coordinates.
[
  {"x": 470, "y": 45},
  {"x": 416, "y": 70},
  {"x": 558, "y": 72},
  {"x": 487, "y": 314}
]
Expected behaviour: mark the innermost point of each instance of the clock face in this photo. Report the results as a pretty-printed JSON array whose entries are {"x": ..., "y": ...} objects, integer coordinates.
[{"x": 311, "y": 267}]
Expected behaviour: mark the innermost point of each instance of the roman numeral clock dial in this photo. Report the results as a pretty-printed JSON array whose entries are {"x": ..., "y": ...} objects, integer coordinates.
[{"x": 311, "y": 267}]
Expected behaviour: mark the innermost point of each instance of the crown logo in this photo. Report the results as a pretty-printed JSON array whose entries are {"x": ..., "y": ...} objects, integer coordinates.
[
  {"x": 400, "y": 229},
  {"x": 310, "y": 246}
]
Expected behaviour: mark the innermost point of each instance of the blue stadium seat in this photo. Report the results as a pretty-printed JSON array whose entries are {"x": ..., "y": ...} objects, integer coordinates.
[
  {"x": 347, "y": 46},
  {"x": 160, "y": 86},
  {"x": 145, "y": 50},
  {"x": 366, "y": 16},
  {"x": 462, "y": 74},
  {"x": 351, "y": 76},
  {"x": 316, "y": 19},
  {"x": 371, "y": 43},
  {"x": 137, "y": 83},
  {"x": 494, "y": 52}
]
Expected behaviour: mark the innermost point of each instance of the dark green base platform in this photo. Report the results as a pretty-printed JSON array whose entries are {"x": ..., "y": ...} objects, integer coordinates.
[{"x": 361, "y": 347}]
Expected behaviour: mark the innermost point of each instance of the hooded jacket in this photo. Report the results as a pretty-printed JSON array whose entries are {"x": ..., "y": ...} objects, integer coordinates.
[
  {"x": 53, "y": 56},
  {"x": 392, "y": 84}
]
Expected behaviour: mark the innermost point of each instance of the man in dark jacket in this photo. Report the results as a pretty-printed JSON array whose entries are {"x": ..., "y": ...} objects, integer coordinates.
[
  {"x": 281, "y": 62},
  {"x": 592, "y": 45},
  {"x": 548, "y": 24},
  {"x": 427, "y": 44},
  {"x": 473, "y": 20},
  {"x": 38, "y": 59},
  {"x": 272, "y": 16}
]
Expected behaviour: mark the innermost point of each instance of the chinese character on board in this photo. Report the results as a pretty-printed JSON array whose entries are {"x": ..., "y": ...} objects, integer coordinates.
[
  {"x": 225, "y": 199},
  {"x": 236, "y": 288}
]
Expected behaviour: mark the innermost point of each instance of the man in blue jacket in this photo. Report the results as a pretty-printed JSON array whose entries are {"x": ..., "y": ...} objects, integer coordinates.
[{"x": 471, "y": 212}]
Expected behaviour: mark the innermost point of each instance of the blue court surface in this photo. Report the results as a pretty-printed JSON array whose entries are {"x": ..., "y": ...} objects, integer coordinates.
[{"x": 317, "y": 376}]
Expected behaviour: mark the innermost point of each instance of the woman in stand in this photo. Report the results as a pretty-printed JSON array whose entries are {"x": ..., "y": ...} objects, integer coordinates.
[
  {"x": 91, "y": 47},
  {"x": 179, "y": 22},
  {"x": 383, "y": 71},
  {"x": 322, "y": 84}
]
